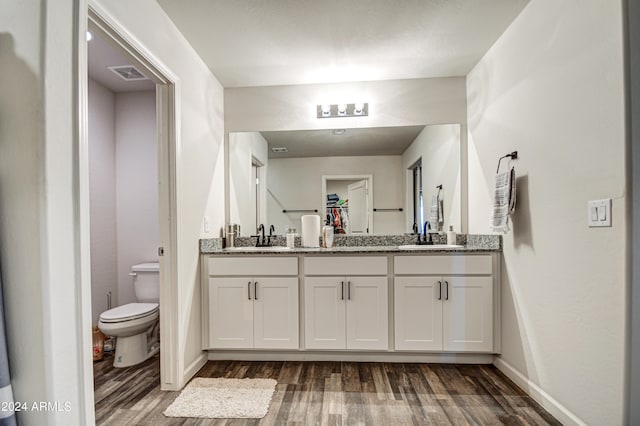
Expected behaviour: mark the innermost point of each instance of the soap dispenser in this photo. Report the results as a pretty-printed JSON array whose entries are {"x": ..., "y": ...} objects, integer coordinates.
[{"x": 451, "y": 236}]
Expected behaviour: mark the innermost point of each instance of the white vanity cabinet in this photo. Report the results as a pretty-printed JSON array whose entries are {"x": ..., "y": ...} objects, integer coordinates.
[
  {"x": 252, "y": 303},
  {"x": 346, "y": 303},
  {"x": 444, "y": 303}
]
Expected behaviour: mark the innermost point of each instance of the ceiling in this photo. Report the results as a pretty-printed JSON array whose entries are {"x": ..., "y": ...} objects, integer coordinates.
[
  {"x": 354, "y": 142},
  {"x": 101, "y": 56},
  {"x": 282, "y": 42}
]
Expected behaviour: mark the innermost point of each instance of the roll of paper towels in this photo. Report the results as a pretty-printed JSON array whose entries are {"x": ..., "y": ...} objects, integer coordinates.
[{"x": 311, "y": 230}]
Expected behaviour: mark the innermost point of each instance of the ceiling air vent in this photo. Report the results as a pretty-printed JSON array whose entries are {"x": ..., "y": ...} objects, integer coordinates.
[
  {"x": 128, "y": 73},
  {"x": 279, "y": 149}
]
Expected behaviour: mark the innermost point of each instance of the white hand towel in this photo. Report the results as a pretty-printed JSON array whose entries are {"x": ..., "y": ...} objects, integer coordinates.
[
  {"x": 436, "y": 213},
  {"x": 504, "y": 200}
]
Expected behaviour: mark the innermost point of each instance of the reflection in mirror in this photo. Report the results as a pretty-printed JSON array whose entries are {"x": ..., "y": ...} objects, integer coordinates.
[
  {"x": 388, "y": 175},
  {"x": 348, "y": 201},
  {"x": 248, "y": 167}
]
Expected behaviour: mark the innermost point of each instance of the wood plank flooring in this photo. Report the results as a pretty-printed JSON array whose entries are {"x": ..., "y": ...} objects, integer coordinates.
[{"x": 331, "y": 393}]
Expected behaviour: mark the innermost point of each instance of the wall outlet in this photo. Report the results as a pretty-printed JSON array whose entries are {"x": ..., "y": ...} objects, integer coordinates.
[
  {"x": 599, "y": 213},
  {"x": 205, "y": 225}
]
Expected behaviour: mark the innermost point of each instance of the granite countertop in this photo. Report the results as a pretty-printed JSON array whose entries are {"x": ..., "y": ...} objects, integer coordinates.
[{"x": 356, "y": 245}]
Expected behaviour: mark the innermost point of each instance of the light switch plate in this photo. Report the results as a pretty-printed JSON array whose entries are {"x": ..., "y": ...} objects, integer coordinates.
[
  {"x": 205, "y": 225},
  {"x": 599, "y": 213}
]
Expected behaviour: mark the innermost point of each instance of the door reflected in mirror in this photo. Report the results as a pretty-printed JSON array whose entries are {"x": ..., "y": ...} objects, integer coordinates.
[{"x": 379, "y": 180}]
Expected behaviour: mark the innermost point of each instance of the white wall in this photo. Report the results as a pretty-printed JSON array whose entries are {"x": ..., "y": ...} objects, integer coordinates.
[
  {"x": 552, "y": 87},
  {"x": 243, "y": 147},
  {"x": 38, "y": 209},
  {"x": 21, "y": 144},
  {"x": 634, "y": 105},
  {"x": 102, "y": 190},
  {"x": 296, "y": 183},
  {"x": 391, "y": 103},
  {"x": 136, "y": 186},
  {"x": 123, "y": 174},
  {"x": 439, "y": 148}
]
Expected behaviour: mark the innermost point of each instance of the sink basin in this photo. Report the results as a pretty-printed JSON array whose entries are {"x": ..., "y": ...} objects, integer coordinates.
[
  {"x": 272, "y": 248},
  {"x": 429, "y": 247}
]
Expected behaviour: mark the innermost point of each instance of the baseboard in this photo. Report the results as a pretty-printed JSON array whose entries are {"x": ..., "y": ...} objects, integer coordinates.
[
  {"x": 193, "y": 368},
  {"x": 253, "y": 355},
  {"x": 556, "y": 409}
]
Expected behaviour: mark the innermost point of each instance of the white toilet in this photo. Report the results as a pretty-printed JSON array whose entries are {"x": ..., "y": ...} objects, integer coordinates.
[{"x": 136, "y": 325}]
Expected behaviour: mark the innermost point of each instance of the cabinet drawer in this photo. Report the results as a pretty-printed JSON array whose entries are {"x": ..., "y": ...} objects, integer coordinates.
[
  {"x": 346, "y": 265},
  {"x": 252, "y": 266},
  {"x": 442, "y": 265}
]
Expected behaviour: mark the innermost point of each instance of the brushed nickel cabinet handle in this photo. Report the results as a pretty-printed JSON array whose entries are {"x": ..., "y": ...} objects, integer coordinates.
[
  {"x": 439, "y": 290},
  {"x": 446, "y": 286},
  {"x": 349, "y": 290},
  {"x": 249, "y": 290},
  {"x": 341, "y": 290},
  {"x": 255, "y": 290}
]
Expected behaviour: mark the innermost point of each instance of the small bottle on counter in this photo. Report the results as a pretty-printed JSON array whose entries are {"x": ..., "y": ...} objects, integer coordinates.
[
  {"x": 291, "y": 237},
  {"x": 327, "y": 236},
  {"x": 451, "y": 236},
  {"x": 230, "y": 236}
]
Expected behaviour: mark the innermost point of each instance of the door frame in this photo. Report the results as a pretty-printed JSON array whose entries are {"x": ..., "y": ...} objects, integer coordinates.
[
  {"x": 368, "y": 178},
  {"x": 167, "y": 122}
]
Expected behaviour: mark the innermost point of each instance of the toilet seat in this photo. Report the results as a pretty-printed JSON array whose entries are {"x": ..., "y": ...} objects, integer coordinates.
[{"x": 129, "y": 312}]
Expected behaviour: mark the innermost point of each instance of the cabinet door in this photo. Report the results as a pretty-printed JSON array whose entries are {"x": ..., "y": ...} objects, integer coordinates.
[
  {"x": 468, "y": 314},
  {"x": 367, "y": 313},
  {"x": 324, "y": 312},
  {"x": 418, "y": 313},
  {"x": 275, "y": 307},
  {"x": 230, "y": 313}
]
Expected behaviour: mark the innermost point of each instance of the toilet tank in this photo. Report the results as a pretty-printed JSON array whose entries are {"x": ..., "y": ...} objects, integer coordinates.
[{"x": 146, "y": 282}]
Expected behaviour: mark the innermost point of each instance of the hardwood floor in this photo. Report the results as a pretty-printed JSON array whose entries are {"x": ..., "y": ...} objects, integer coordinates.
[{"x": 331, "y": 393}]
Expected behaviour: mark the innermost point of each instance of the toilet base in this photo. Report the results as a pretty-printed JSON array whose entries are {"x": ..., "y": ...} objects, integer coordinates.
[{"x": 132, "y": 350}]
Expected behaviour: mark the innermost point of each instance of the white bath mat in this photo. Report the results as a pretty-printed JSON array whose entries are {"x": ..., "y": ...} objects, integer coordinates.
[{"x": 223, "y": 399}]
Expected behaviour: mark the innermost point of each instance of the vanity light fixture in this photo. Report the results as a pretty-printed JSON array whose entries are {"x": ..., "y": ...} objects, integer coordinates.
[
  {"x": 359, "y": 109},
  {"x": 89, "y": 36}
]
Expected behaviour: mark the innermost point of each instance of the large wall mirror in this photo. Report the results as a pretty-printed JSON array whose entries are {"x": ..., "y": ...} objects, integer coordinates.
[{"x": 363, "y": 181}]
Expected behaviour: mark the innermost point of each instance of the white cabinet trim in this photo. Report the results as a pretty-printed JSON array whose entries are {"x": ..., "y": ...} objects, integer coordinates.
[
  {"x": 345, "y": 265},
  {"x": 253, "y": 265},
  {"x": 453, "y": 264}
]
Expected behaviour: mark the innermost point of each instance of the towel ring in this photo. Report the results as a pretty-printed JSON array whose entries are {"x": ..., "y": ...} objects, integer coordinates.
[{"x": 513, "y": 156}]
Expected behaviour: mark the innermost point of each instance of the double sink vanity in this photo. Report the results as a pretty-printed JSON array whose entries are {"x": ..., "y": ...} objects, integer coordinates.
[{"x": 371, "y": 299}]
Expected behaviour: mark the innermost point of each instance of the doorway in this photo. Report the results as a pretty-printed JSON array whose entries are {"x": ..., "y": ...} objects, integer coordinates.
[
  {"x": 166, "y": 116},
  {"x": 347, "y": 202}
]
